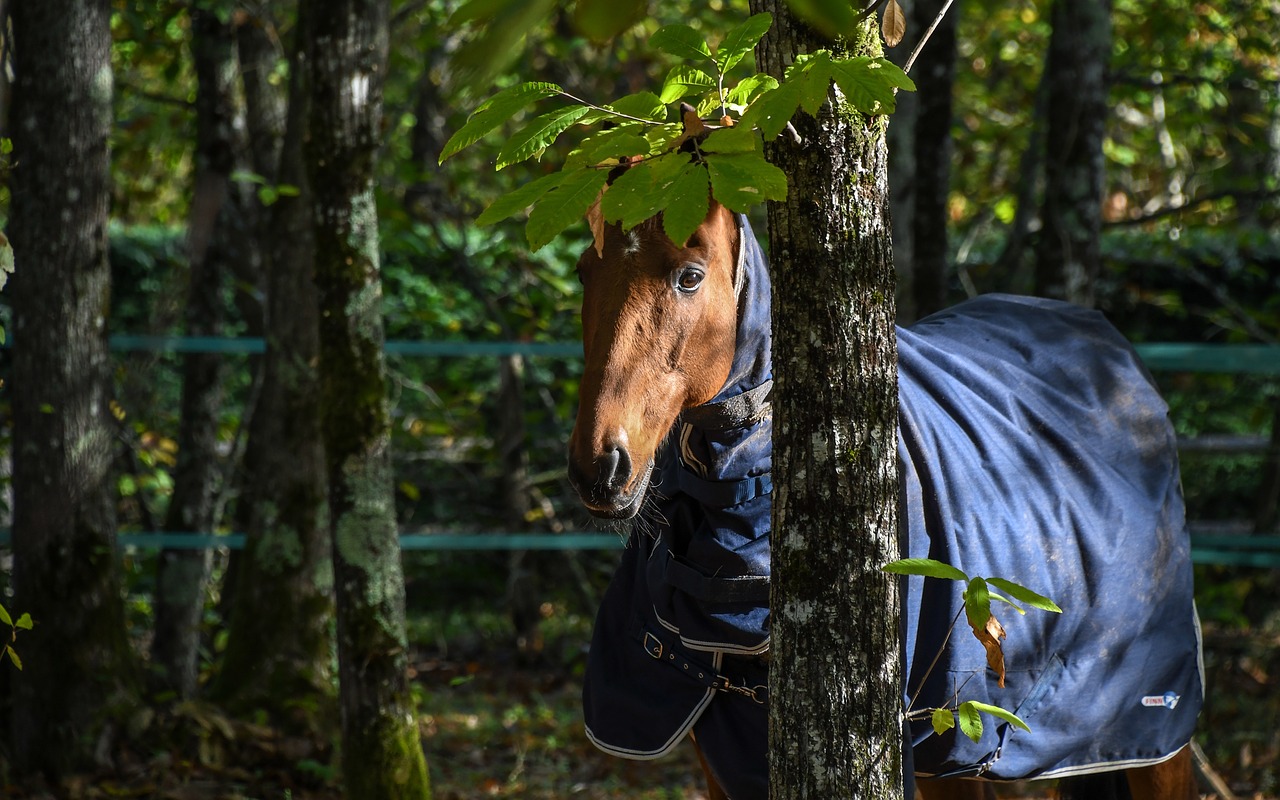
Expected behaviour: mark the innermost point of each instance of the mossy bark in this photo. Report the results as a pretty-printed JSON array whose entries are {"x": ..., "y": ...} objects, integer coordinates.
[
  {"x": 279, "y": 642},
  {"x": 78, "y": 666},
  {"x": 835, "y": 718},
  {"x": 381, "y": 752}
]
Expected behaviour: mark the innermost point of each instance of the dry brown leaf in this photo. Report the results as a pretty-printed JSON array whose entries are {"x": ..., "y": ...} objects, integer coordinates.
[
  {"x": 595, "y": 221},
  {"x": 894, "y": 24},
  {"x": 990, "y": 637}
]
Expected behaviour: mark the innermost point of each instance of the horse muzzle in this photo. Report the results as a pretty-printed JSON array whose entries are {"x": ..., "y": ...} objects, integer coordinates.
[{"x": 613, "y": 492}]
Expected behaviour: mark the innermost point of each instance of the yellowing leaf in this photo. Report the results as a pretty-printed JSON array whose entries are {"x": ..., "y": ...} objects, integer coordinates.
[
  {"x": 13, "y": 656},
  {"x": 894, "y": 24},
  {"x": 943, "y": 719}
]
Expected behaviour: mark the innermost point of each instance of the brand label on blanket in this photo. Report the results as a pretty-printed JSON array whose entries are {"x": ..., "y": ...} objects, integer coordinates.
[{"x": 1166, "y": 700}]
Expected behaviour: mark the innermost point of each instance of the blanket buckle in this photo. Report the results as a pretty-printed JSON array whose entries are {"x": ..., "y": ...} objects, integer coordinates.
[{"x": 652, "y": 645}]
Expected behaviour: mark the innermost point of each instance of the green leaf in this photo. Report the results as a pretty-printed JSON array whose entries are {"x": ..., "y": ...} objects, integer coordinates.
[
  {"x": 690, "y": 200},
  {"x": 813, "y": 75},
  {"x": 749, "y": 88},
  {"x": 24, "y": 622},
  {"x": 538, "y": 134},
  {"x": 680, "y": 41},
  {"x": 927, "y": 567},
  {"x": 1025, "y": 595},
  {"x": 943, "y": 719},
  {"x": 4, "y": 616},
  {"x": 604, "y": 19},
  {"x": 493, "y": 112},
  {"x": 741, "y": 40},
  {"x": 1003, "y": 599},
  {"x": 738, "y": 139},
  {"x": 645, "y": 105},
  {"x": 625, "y": 144},
  {"x": 868, "y": 83},
  {"x": 644, "y": 190},
  {"x": 977, "y": 603},
  {"x": 516, "y": 201},
  {"x": 740, "y": 180},
  {"x": 683, "y": 81},
  {"x": 7, "y": 262},
  {"x": 997, "y": 711},
  {"x": 13, "y": 656},
  {"x": 564, "y": 206},
  {"x": 6, "y": 146},
  {"x": 970, "y": 720},
  {"x": 661, "y": 136},
  {"x": 773, "y": 109},
  {"x": 832, "y": 17}
]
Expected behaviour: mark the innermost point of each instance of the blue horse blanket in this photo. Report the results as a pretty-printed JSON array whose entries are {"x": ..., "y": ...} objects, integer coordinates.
[{"x": 1032, "y": 446}]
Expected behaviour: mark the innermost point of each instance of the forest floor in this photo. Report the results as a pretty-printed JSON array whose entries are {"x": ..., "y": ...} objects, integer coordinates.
[{"x": 496, "y": 724}]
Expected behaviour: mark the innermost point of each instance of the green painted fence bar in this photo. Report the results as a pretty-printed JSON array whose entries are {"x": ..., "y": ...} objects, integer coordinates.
[
  {"x": 1222, "y": 550},
  {"x": 1254, "y": 359},
  {"x": 1258, "y": 359}
]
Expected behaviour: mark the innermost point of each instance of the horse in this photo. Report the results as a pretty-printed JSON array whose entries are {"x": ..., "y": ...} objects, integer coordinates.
[{"x": 1031, "y": 439}]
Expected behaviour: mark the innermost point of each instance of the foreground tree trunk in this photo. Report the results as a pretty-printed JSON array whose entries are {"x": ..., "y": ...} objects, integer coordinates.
[
  {"x": 279, "y": 640},
  {"x": 381, "y": 752},
  {"x": 77, "y": 658},
  {"x": 214, "y": 240},
  {"x": 1069, "y": 250},
  {"x": 835, "y": 724}
]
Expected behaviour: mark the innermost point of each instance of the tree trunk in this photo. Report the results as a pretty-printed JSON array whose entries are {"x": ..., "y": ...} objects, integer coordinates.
[
  {"x": 77, "y": 659},
  {"x": 279, "y": 641},
  {"x": 381, "y": 752},
  {"x": 1068, "y": 251},
  {"x": 835, "y": 682},
  {"x": 934, "y": 74},
  {"x": 215, "y": 239}
]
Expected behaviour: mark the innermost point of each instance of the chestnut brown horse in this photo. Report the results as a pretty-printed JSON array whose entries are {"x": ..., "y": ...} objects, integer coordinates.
[{"x": 673, "y": 400}]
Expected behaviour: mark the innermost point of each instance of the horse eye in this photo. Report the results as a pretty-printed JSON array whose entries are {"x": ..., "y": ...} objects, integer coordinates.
[{"x": 689, "y": 279}]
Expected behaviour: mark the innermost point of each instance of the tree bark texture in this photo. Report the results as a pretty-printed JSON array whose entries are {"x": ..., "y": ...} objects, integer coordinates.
[
  {"x": 835, "y": 725},
  {"x": 78, "y": 663},
  {"x": 279, "y": 638},
  {"x": 934, "y": 75},
  {"x": 1068, "y": 251},
  {"x": 215, "y": 240},
  {"x": 381, "y": 752}
]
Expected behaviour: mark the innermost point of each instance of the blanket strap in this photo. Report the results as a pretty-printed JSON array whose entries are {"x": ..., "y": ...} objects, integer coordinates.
[
  {"x": 739, "y": 411},
  {"x": 752, "y": 589},
  {"x": 697, "y": 671}
]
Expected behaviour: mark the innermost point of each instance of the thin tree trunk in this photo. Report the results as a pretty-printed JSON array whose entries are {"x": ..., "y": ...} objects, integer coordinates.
[
  {"x": 279, "y": 639},
  {"x": 381, "y": 752},
  {"x": 934, "y": 74},
  {"x": 1068, "y": 251},
  {"x": 215, "y": 239},
  {"x": 77, "y": 659},
  {"x": 835, "y": 717}
]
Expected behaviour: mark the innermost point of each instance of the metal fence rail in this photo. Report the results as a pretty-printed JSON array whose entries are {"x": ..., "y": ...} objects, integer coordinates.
[{"x": 1207, "y": 547}]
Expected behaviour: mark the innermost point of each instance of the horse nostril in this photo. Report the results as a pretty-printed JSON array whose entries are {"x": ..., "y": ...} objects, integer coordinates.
[{"x": 616, "y": 467}]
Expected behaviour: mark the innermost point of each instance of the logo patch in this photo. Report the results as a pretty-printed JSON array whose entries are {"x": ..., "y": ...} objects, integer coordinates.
[{"x": 1167, "y": 700}]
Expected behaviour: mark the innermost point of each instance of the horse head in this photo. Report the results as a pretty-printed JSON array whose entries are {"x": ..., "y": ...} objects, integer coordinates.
[{"x": 658, "y": 330}]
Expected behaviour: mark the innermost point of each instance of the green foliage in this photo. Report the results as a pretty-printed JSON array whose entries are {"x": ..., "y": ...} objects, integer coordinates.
[
  {"x": 670, "y": 167},
  {"x": 23, "y": 622},
  {"x": 977, "y": 597}
]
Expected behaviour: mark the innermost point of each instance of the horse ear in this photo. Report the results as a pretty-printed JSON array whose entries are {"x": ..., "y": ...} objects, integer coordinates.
[{"x": 595, "y": 220}]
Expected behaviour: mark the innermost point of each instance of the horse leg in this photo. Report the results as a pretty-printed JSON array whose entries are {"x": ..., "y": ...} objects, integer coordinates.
[
  {"x": 1174, "y": 779},
  {"x": 714, "y": 792},
  {"x": 956, "y": 789}
]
